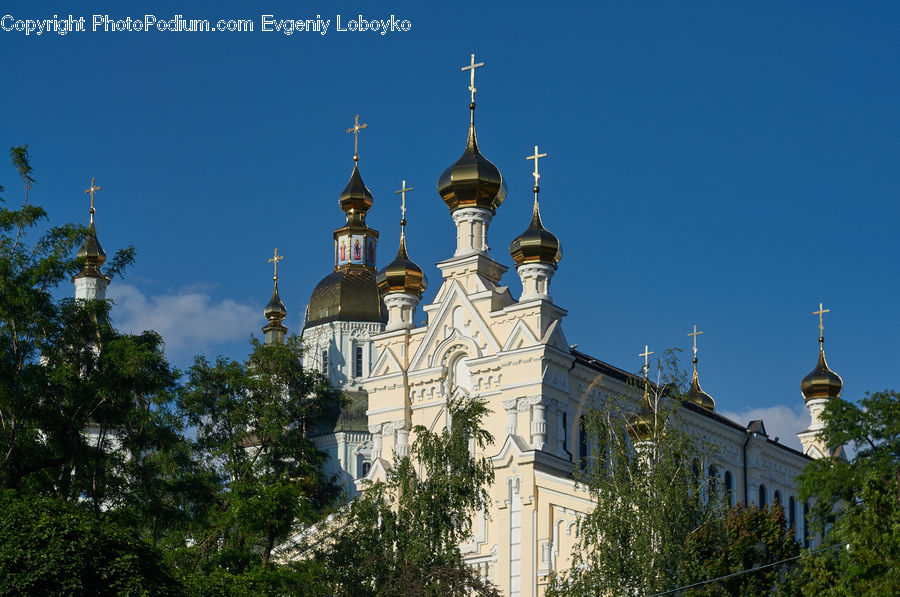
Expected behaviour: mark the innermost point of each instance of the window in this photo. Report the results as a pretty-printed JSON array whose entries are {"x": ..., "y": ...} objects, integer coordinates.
[
  {"x": 762, "y": 496},
  {"x": 358, "y": 368},
  {"x": 805, "y": 529},
  {"x": 729, "y": 489},
  {"x": 325, "y": 361},
  {"x": 695, "y": 475},
  {"x": 366, "y": 467},
  {"x": 582, "y": 442},
  {"x": 777, "y": 497},
  {"x": 565, "y": 432},
  {"x": 792, "y": 514},
  {"x": 713, "y": 483}
]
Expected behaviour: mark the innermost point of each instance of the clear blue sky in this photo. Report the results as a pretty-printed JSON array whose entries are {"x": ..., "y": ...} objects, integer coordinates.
[{"x": 712, "y": 163}]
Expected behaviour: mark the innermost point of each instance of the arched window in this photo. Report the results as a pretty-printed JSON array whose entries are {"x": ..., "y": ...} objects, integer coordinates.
[
  {"x": 366, "y": 467},
  {"x": 695, "y": 473},
  {"x": 582, "y": 442},
  {"x": 762, "y": 496},
  {"x": 729, "y": 489},
  {"x": 792, "y": 515},
  {"x": 805, "y": 528},
  {"x": 777, "y": 497},
  {"x": 713, "y": 476}
]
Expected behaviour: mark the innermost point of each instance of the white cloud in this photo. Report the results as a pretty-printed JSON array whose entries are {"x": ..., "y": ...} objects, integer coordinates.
[
  {"x": 189, "y": 320},
  {"x": 781, "y": 421}
]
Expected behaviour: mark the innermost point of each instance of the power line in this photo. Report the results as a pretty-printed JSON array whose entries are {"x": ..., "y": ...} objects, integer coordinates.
[{"x": 748, "y": 571}]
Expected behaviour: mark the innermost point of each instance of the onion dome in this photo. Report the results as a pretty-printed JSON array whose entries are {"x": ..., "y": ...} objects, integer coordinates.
[
  {"x": 822, "y": 382},
  {"x": 346, "y": 295},
  {"x": 473, "y": 181},
  {"x": 275, "y": 309},
  {"x": 696, "y": 395},
  {"x": 640, "y": 424},
  {"x": 93, "y": 254},
  {"x": 536, "y": 244},
  {"x": 402, "y": 274},
  {"x": 356, "y": 199}
]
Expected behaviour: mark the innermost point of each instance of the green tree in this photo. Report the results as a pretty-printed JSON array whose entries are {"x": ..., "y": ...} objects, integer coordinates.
[
  {"x": 401, "y": 536},
  {"x": 856, "y": 501},
  {"x": 746, "y": 539},
  {"x": 262, "y": 473}
]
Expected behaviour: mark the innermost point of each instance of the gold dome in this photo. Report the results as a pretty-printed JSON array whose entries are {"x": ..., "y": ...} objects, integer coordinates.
[
  {"x": 93, "y": 254},
  {"x": 536, "y": 244},
  {"x": 640, "y": 424},
  {"x": 696, "y": 395},
  {"x": 356, "y": 199},
  {"x": 822, "y": 382},
  {"x": 346, "y": 295},
  {"x": 473, "y": 181},
  {"x": 275, "y": 309},
  {"x": 402, "y": 274}
]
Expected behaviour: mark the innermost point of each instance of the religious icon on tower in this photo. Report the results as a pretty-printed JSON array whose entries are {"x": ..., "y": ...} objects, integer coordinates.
[
  {"x": 357, "y": 248},
  {"x": 343, "y": 257},
  {"x": 370, "y": 252}
]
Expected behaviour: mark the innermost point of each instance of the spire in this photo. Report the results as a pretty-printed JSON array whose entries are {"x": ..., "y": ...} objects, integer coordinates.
[
  {"x": 473, "y": 181},
  {"x": 275, "y": 311},
  {"x": 401, "y": 282},
  {"x": 536, "y": 244},
  {"x": 822, "y": 382},
  {"x": 695, "y": 394},
  {"x": 90, "y": 283}
]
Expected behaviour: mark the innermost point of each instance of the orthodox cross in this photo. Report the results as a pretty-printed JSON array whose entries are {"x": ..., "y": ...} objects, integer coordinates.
[
  {"x": 275, "y": 260},
  {"x": 535, "y": 157},
  {"x": 91, "y": 192},
  {"x": 822, "y": 311},
  {"x": 402, "y": 192},
  {"x": 646, "y": 354},
  {"x": 471, "y": 68},
  {"x": 695, "y": 334},
  {"x": 355, "y": 130}
]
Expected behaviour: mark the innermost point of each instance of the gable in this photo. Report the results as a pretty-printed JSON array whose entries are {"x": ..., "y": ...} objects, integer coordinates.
[
  {"x": 520, "y": 337},
  {"x": 386, "y": 364}
]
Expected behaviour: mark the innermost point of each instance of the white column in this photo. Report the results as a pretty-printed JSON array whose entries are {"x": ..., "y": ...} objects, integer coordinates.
[
  {"x": 471, "y": 230},
  {"x": 538, "y": 427},
  {"x": 401, "y": 310},
  {"x": 512, "y": 416},
  {"x": 375, "y": 430},
  {"x": 535, "y": 281}
]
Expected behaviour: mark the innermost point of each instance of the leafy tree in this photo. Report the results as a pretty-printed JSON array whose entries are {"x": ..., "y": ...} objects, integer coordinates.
[
  {"x": 856, "y": 501},
  {"x": 747, "y": 538},
  {"x": 401, "y": 536},
  {"x": 263, "y": 474}
]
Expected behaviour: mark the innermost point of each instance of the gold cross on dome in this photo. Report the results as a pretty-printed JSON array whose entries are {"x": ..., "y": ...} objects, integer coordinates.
[
  {"x": 275, "y": 260},
  {"x": 94, "y": 188},
  {"x": 355, "y": 130},
  {"x": 471, "y": 68},
  {"x": 535, "y": 157},
  {"x": 646, "y": 354},
  {"x": 402, "y": 192},
  {"x": 695, "y": 334},
  {"x": 822, "y": 311}
]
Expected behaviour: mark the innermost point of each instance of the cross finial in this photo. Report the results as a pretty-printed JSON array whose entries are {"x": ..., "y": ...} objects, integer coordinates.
[
  {"x": 402, "y": 192},
  {"x": 646, "y": 354},
  {"x": 471, "y": 68},
  {"x": 94, "y": 188},
  {"x": 275, "y": 260},
  {"x": 536, "y": 172},
  {"x": 822, "y": 311},
  {"x": 355, "y": 130},
  {"x": 695, "y": 333}
]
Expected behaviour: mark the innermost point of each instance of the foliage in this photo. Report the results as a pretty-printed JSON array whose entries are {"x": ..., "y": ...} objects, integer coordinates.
[
  {"x": 401, "y": 536},
  {"x": 747, "y": 538},
  {"x": 262, "y": 471},
  {"x": 48, "y": 547},
  {"x": 856, "y": 501}
]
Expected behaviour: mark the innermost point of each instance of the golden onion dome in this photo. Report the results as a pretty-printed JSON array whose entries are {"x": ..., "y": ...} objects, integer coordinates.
[
  {"x": 640, "y": 424},
  {"x": 822, "y": 382},
  {"x": 356, "y": 197},
  {"x": 696, "y": 395},
  {"x": 93, "y": 254},
  {"x": 536, "y": 244},
  {"x": 402, "y": 275},
  {"x": 275, "y": 309},
  {"x": 346, "y": 295},
  {"x": 473, "y": 181}
]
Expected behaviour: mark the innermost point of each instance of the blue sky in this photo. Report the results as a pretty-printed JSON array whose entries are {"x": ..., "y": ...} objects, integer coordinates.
[{"x": 712, "y": 163}]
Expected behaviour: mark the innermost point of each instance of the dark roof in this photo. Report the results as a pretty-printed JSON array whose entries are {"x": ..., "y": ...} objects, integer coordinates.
[
  {"x": 346, "y": 295},
  {"x": 350, "y": 415}
]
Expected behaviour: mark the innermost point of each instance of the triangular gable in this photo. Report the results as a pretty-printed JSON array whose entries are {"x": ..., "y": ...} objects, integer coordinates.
[
  {"x": 520, "y": 337},
  {"x": 386, "y": 364},
  {"x": 455, "y": 296},
  {"x": 554, "y": 337},
  {"x": 513, "y": 446}
]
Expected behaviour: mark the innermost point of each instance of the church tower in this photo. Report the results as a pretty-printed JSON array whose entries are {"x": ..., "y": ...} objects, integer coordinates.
[
  {"x": 345, "y": 308},
  {"x": 90, "y": 283},
  {"x": 275, "y": 311},
  {"x": 821, "y": 385}
]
